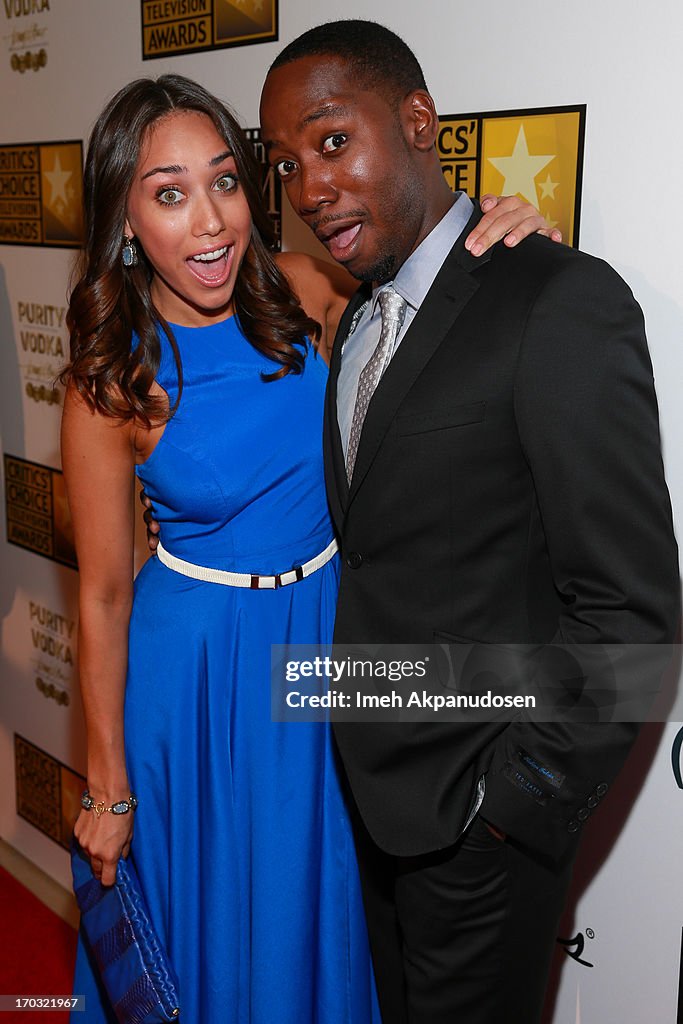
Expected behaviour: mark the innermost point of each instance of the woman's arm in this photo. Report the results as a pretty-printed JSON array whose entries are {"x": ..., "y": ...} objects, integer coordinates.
[
  {"x": 508, "y": 218},
  {"x": 323, "y": 289},
  {"x": 98, "y": 460}
]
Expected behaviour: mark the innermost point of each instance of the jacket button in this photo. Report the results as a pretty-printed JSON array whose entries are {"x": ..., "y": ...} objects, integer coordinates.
[
  {"x": 583, "y": 813},
  {"x": 601, "y": 789},
  {"x": 354, "y": 560},
  {"x": 573, "y": 826},
  {"x": 592, "y": 801}
]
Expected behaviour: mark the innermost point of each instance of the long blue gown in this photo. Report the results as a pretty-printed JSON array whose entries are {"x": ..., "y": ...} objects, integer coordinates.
[{"x": 242, "y": 841}]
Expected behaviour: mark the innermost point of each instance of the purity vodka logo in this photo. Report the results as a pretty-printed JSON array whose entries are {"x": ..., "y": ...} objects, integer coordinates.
[{"x": 24, "y": 36}]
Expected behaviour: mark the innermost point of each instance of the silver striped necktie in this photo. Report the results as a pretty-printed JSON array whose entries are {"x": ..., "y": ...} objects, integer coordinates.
[{"x": 393, "y": 307}]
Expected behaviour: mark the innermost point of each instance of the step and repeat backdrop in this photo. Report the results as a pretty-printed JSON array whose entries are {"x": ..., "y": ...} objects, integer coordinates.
[{"x": 577, "y": 109}]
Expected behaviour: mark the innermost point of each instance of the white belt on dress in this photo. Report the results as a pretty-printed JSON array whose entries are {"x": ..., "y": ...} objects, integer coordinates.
[{"x": 245, "y": 579}]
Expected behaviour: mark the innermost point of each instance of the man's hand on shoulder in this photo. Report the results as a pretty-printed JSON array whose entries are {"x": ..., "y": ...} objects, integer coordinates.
[{"x": 150, "y": 522}]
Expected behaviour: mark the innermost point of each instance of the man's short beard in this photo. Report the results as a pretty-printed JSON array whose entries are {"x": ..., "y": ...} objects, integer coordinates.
[{"x": 380, "y": 272}]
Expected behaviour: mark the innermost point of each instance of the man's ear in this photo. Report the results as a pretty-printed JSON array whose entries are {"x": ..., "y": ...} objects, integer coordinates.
[{"x": 420, "y": 119}]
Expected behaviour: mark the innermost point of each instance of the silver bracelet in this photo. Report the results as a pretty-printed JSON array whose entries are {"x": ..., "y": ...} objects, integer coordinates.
[{"x": 88, "y": 803}]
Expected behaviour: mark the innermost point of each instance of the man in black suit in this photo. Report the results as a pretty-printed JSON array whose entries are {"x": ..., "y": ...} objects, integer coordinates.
[{"x": 495, "y": 477}]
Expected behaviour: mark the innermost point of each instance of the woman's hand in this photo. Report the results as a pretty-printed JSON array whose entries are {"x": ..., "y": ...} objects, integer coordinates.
[
  {"x": 104, "y": 839},
  {"x": 509, "y": 218}
]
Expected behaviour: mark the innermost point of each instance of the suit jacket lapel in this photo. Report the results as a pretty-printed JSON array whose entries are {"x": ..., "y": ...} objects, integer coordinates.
[
  {"x": 335, "y": 469},
  {"x": 451, "y": 290}
]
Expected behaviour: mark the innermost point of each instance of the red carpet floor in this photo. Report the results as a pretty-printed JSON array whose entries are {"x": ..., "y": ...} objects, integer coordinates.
[{"x": 37, "y": 952}]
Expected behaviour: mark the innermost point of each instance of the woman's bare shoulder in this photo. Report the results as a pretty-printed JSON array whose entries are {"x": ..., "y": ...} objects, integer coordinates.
[
  {"x": 315, "y": 281},
  {"x": 323, "y": 290}
]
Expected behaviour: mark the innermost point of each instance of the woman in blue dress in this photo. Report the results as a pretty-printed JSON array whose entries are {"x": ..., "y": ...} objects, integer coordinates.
[
  {"x": 241, "y": 838},
  {"x": 195, "y": 367}
]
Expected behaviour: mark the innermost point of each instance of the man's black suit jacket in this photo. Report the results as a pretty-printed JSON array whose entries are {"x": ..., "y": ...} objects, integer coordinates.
[{"x": 508, "y": 488}]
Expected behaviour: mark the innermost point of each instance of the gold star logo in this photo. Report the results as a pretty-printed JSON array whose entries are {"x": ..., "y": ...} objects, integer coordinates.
[
  {"x": 520, "y": 169},
  {"x": 548, "y": 188},
  {"x": 57, "y": 179}
]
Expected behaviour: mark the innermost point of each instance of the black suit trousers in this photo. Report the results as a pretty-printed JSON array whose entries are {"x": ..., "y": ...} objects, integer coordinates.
[{"x": 464, "y": 935}]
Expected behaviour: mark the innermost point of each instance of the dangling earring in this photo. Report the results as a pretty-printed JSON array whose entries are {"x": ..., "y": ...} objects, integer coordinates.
[{"x": 129, "y": 253}]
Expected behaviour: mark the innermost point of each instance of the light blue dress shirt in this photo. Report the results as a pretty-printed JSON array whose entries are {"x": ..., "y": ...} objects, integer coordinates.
[{"x": 413, "y": 281}]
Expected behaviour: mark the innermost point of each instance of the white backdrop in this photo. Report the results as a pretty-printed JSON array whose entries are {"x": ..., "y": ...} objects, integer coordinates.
[{"x": 623, "y": 61}]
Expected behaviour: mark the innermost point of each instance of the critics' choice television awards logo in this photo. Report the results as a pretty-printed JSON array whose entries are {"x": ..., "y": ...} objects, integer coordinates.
[
  {"x": 270, "y": 183},
  {"x": 41, "y": 194},
  {"x": 38, "y": 517},
  {"x": 26, "y": 39},
  {"x": 48, "y": 792},
  {"x": 536, "y": 154},
  {"x": 186, "y": 26}
]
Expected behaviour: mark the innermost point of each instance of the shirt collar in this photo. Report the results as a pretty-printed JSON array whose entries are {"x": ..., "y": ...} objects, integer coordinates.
[{"x": 416, "y": 275}]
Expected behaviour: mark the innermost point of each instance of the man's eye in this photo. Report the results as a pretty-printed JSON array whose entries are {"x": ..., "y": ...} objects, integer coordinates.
[
  {"x": 333, "y": 142},
  {"x": 226, "y": 183},
  {"x": 169, "y": 196},
  {"x": 284, "y": 168}
]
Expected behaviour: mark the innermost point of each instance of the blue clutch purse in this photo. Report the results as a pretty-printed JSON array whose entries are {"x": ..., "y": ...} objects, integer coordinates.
[{"x": 134, "y": 967}]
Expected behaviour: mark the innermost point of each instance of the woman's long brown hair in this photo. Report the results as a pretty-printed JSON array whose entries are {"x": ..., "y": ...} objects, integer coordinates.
[{"x": 111, "y": 302}]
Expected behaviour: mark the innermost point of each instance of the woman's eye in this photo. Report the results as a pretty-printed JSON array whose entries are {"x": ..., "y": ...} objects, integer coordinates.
[
  {"x": 333, "y": 142},
  {"x": 226, "y": 183},
  {"x": 169, "y": 196},
  {"x": 284, "y": 168}
]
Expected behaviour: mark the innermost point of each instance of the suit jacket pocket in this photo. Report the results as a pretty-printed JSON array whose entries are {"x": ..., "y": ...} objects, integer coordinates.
[
  {"x": 444, "y": 419},
  {"x": 475, "y": 665}
]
